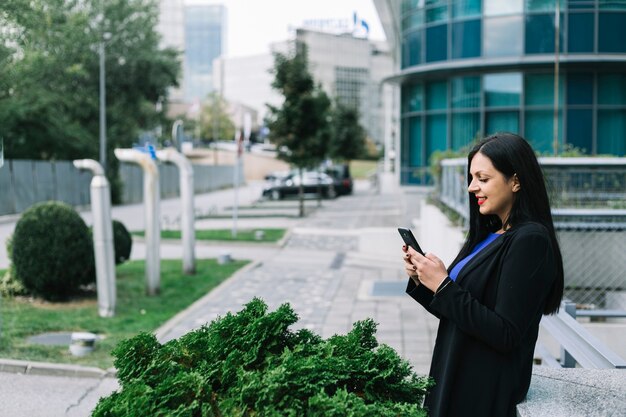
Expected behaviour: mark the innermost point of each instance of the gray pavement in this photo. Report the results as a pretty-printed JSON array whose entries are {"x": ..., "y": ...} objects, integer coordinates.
[{"x": 339, "y": 264}]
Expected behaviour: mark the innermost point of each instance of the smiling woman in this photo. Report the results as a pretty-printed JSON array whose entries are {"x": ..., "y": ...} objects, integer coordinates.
[{"x": 491, "y": 298}]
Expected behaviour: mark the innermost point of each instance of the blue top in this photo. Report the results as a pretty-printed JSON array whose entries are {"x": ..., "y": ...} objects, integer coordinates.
[{"x": 457, "y": 268}]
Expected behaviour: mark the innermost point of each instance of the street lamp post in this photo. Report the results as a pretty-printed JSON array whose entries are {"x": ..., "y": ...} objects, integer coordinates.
[{"x": 103, "y": 119}]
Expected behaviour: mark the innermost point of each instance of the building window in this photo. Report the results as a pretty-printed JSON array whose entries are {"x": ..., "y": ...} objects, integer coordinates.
[
  {"x": 503, "y": 90},
  {"x": 437, "y": 43},
  {"x": 501, "y": 121},
  {"x": 466, "y": 8},
  {"x": 412, "y": 49},
  {"x": 437, "y": 95},
  {"x": 466, "y": 92},
  {"x": 466, "y": 39},
  {"x": 543, "y": 5},
  {"x": 415, "y": 142},
  {"x": 539, "y": 37},
  {"x": 413, "y": 21},
  {"x": 539, "y": 90},
  {"x": 579, "y": 131},
  {"x": 579, "y": 89},
  {"x": 612, "y": 89},
  {"x": 612, "y": 32},
  {"x": 465, "y": 127},
  {"x": 499, "y": 7},
  {"x": 436, "y": 11},
  {"x": 611, "y": 128},
  {"x": 580, "y": 32},
  {"x": 436, "y": 134},
  {"x": 503, "y": 36},
  {"x": 538, "y": 129},
  {"x": 412, "y": 98}
]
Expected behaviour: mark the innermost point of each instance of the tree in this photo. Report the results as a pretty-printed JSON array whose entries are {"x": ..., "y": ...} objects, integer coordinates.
[
  {"x": 348, "y": 136},
  {"x": 49, "y": 97},
  {"x": 300, "y": 127},
  {"x": 215, "y": 123}
]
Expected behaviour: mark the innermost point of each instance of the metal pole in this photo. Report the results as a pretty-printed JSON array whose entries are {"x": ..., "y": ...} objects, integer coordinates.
[
  {"x": 186, "y": 196},
  {"x": 152, "y": 201},
  {"x": 238, "y": 141},
  {"x": 102, "y": 237},
  {"x": 103, "y": 119},
  {"x": 555, "y": 127}
]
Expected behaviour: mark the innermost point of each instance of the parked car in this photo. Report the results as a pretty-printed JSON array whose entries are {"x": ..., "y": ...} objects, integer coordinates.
[
  {"x": 289, "y": 185},
  {"x": 341, "y": 177}
]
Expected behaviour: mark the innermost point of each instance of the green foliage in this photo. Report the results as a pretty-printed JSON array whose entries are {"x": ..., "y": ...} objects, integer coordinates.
[
  {"x": 122, "y": 241},
  {"x": 49, "y": 60},
  {"x": 348, "y": 137},
  {"x": 214, "y": 119},
  {"x": 300, "y": 128},
  {"x": 10, "y": 286},
  {"x": 52, "y": 251},
  {"x": 251, "y": 364}
]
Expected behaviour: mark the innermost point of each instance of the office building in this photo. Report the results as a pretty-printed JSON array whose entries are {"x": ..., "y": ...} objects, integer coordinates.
[
  {"x": 205, "y": 40},
  {"x": 347, "y": 67},
  {"x": 198, "y": 30},
  {"x": 469, "y": 68}
]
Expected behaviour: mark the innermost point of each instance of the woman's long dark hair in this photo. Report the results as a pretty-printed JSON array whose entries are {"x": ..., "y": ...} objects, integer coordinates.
[{"x": 510, "y": 154}]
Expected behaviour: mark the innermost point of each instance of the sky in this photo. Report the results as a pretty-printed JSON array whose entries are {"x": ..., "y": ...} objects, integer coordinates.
[{"x": 254, "y": 24}]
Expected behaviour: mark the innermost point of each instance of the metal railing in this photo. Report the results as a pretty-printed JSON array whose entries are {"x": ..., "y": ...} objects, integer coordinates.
[
  {"x": 578, "y": 345},
  {"x": 588, "y": 199}
]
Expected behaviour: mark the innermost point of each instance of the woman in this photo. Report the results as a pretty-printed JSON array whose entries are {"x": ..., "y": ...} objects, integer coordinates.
[{"x": 491, "y": 299}]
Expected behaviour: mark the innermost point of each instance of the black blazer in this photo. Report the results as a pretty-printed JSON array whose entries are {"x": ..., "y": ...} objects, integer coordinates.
[{"x": 489, "y": 320}]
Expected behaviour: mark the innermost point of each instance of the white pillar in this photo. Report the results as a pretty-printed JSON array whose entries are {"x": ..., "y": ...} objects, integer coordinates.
[
  {"x": 152, "y": 202},
  {"x": 186, "y": 196},
  {"x": 104, "y": 251}
]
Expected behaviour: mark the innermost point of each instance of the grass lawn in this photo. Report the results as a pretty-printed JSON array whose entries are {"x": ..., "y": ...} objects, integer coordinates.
[
  {"x": 135, "y": 312},
  {"x": 360, "y": 169},
  {"x": 243, "y": 235}
]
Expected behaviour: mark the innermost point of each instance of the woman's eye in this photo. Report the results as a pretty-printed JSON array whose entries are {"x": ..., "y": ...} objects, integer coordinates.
[{"x": 483, "y": 180}]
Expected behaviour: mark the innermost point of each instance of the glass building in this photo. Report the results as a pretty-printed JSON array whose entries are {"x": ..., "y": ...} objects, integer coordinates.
[
  {"x": 205, "y": 33},
  {"x": 469, "y": 68}
]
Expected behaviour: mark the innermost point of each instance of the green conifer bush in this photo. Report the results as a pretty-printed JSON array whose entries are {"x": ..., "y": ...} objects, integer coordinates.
[
  {"x": 52, "y": 251},
  {"x": 122, "y": 241},
  {"x": 251, "y": 364}
]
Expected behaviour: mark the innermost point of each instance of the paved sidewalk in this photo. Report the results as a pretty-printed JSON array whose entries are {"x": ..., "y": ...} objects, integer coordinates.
[{"x": 340, "y": 264}]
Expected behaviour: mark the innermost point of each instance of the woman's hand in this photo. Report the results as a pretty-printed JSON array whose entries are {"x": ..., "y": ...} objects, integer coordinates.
[{"x": 427, "y": 270}]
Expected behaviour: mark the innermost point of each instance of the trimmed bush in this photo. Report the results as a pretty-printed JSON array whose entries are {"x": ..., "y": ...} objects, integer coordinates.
[
  {"x": 52, "y": 251},
  {"x": 122, "y": 241},
  {"x": 251, "y": 364}
]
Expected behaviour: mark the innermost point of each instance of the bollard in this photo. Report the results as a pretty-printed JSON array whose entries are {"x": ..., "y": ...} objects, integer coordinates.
[
  {"x": 152, "y": 200},
  {"x": 186, "y": 196},
  {"x": 102, "y": 236},
  {"x": 224, "y": 258},
  {"x": 259, "y": 235}
]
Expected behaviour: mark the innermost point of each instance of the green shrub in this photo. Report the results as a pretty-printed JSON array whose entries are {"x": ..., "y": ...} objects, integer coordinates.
[
  {"x": 52, "y": 251},
  {"x": 122, "y": 241},
  {"x": 10, "y": 286},
  {"x": 251, "y": 364}
]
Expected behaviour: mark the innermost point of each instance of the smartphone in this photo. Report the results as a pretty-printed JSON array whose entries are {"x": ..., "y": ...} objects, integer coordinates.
[{"x": 409, "y": 239}]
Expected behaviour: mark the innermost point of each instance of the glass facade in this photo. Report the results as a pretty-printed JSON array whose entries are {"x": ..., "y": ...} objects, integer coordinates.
[
  {"x": 204, "y": 36},
  {"x": 508, "y": 83}
]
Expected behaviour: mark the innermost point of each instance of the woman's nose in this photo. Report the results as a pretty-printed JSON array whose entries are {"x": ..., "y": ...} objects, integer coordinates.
[{"x": 472, "y": 187}]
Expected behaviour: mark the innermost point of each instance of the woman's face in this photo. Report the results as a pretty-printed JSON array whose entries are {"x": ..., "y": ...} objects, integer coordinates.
[{"x": 494, "y": 192}]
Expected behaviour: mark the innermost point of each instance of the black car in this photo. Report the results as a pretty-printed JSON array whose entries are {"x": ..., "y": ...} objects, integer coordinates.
[
  {"x": 341, "y": 178},
  {"x": 289, "y": 185}
]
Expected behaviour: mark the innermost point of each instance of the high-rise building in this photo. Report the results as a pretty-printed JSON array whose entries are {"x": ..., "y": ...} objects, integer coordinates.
[
  {"x": 554, "y": 73},
  {"x": 351, "y": 69},
  {"x": 205, "y": 40},
  {"x": 199, "y": 32},
  {"x": 347, "y": 67}
]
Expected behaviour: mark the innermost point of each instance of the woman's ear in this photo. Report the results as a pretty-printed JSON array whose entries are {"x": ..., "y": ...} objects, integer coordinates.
[{"x": 515, "y": 185}]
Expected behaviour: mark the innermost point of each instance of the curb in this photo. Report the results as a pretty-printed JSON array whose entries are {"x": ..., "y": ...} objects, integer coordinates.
[
  {"x": 162, "y": 331},
  {"x": 54, "y": 369}
]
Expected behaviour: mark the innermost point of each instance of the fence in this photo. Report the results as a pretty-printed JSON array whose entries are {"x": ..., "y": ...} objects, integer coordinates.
[
  {"x": 588, "y": 198},
  {"x": 26, "y": 182}
]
